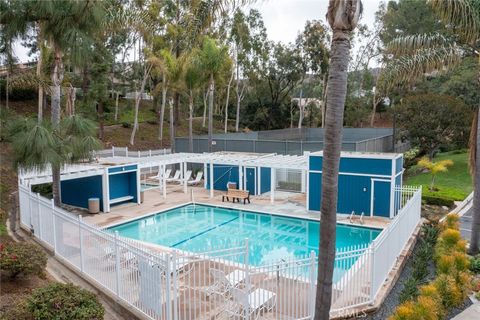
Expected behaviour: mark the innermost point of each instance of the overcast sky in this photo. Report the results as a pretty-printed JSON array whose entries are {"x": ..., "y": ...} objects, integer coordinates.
[{"x": 284, "y": 19}]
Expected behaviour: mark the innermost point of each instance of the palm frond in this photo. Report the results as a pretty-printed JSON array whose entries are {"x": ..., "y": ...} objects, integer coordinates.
[
  {"x": 405, "y": 70},
  {"x": 29, "y": 80},
  {"x": 409, "y": 44},
  {"x": 463, "y": 15}
]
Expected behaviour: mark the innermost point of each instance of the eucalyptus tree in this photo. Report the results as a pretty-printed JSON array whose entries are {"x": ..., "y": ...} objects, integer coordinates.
[
  {"x": 213, "y": 58},
  {"x": 342, "y": 16},
  {"x": 193, "y": 81},
  {"x": 416, "y": 55}
]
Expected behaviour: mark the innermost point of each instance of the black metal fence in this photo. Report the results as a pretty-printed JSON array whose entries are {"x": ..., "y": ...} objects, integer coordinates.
[{"x": 291, "y": 141}]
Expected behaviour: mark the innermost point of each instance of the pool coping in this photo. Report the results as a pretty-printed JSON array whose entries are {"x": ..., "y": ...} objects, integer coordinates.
[{"x": 278, "y": 214}]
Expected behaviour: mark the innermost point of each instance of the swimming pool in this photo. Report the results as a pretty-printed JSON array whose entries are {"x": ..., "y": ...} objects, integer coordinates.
[{"x": 272, "y": 238}]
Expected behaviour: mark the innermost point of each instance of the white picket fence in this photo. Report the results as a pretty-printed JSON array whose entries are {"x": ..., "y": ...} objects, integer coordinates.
[{"x": 213, "y": 284}]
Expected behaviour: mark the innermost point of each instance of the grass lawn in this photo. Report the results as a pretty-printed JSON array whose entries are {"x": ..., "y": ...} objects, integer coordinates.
[{"x": 455, "y": 184}]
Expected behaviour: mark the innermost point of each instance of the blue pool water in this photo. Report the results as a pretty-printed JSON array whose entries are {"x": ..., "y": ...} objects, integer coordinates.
[{"x": 271, "y": 238}]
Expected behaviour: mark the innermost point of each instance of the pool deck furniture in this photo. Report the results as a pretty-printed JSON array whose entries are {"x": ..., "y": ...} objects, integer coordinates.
[
  {"x": 224, "y": 283},
  {"x": 159, "y": 176},
  {"x": 237, "y": 194},
  {"x": 176, "y": 176},
  {"x": 197, "y": 180},
  {"x": 187, "y": 176},
  {"x": 249, "y": 305}
]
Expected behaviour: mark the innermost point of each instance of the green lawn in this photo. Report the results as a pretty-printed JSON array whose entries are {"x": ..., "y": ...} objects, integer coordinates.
[{"x": 455, "y": 184}]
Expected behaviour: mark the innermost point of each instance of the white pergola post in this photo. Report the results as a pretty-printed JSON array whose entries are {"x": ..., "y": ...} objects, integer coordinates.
[
  {"x": 164, "y": 182},
  {"x": 211, "y": 180},
  {"x": 240, "y": 177},
  {"x": 273, "y": 179},
  {"x": 159, "y": 176},
  {"x": 205, "y": 180},
  {"x": 181, "y": 171},
  {"x": 185, "y": 177},
  {"x": 304, "y": 180}
]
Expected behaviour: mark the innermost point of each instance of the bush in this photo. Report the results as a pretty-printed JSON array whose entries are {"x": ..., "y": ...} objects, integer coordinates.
[
  {"x": 22, "y": 258},
  {"x": 64, "y": 301},
  {"x": 126, "y": 125},
  {"x": 438, "y": 201},
  {"x": 475, "y": 264}
]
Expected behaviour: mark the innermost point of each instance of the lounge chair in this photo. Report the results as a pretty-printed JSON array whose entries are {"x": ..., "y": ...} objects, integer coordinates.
[
  {"x": 176, "y": 176},
  {"x": 197, "y": 180},
  {"x": 187, "y": 176},
  {"x": 250, "y": 305},
  {"x": 223, "y": 283},
  {"x": 159, "y": 176}
]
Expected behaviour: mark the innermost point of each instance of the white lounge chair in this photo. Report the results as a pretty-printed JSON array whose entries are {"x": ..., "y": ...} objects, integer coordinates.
[
  {"x": 224, "y": 283},
  {"x": 159, "y": 176},
  {"x": 197, "y": 180},
  {"x": 176, "y": 176},
  {"x": 250, "y": 305},
  {"x": 188, "y": 174}
]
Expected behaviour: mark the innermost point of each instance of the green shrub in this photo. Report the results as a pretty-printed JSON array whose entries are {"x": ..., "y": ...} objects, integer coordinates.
[
  {"x": 64, "y": 301},
  {"x": 22, "y": 258},
  {"x": 437, "y": 201},
  {"x": 126, "y": 124},
  {"x": 45, "y": 190},
  {"x": 475, "y": 264}
]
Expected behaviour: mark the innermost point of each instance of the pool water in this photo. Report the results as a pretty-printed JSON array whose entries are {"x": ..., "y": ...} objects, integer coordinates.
[{"x": 271, "y": 238}]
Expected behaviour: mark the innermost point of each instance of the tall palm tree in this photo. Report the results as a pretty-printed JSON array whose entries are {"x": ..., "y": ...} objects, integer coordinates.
[
  {"x": 416, "y": 55},
  {"x": 342, "y": 16},
  {"x": 213, "y": 59}
]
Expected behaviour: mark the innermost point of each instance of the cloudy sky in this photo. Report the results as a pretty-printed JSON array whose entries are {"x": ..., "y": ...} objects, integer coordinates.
[{"x": 284, "y": 19}]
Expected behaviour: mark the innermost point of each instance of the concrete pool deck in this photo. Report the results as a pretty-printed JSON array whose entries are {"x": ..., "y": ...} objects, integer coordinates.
[{"x": 287, "y": 204}]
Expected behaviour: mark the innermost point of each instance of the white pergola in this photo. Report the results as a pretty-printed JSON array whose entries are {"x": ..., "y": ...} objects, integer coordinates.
[{"x": 67, "y": 172}]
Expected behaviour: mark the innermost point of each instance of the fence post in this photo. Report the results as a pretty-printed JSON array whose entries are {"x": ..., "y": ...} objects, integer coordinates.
[
  {"x": 113, "y": 151},
  {"x": 311, "y": 301},
  {"x": 372, "y": 272},
  {"x": 168, "y": 305},
  {"x": 175, "y": 284},
  {"x": 80, "y": 237},
  {"x": 39, "y": 217},
  {"x": 54, "y": 228},
  {"x": 117, "y": 265},
  {"x": 150, "y": 152}
]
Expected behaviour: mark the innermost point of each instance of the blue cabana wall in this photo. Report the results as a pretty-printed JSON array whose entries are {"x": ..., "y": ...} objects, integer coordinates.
[
  {"x": 366, "y": 183},
  {"x": 123, "y": 184},
  {"x": 265, "y": 177},
  {"x": 76, "y": 192},
  {"x": 222, "y": 174}
]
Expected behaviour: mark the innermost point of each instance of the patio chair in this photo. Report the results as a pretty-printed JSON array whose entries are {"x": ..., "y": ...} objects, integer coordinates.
[
  {"x": 159, "y": 176},
  {"x": 224, "y": 283},
  {"x": 187, "y": 176},
  {"x": 176, "y": 176},
  {"x": 245, "y": 305},
  {"x": 197, "y": 180}
]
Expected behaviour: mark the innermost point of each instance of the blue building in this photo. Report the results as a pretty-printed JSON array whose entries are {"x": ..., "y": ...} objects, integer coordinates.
[
  {"x": 366, "y": 184},
  {"x": 112, "y": 185}
]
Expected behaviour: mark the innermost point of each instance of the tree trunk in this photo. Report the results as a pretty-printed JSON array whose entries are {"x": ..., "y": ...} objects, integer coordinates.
[
  {"x": 227, "y": 100},
  {"x": 85, "y": 82},
  {"x": 237, "y": 117},
  {"x": 336, "y": 94},
  {"x": 325, "y": 86},
  {"x": 172, "y": 126},
  {"x": 162, "y": 108},
  {"x": 101, "y": 131},
  {"x": 57, "y": 78},
  {"x": 374, "y": 110},
  {"x": 210, "y": 113},
  {"x": 116, "y": 105},
  {"x": 475, "y": 235},
  {"x": 205, "y": 96},
  {"x": 301, "y": 109},
  {"x": 138, "y": 99},
  {"x": 7, "y": 85},
  {"x": 39, "y": 73},
  {"x": 190, "y": 122}
]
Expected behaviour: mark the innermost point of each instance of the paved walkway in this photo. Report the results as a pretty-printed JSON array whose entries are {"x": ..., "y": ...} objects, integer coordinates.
[{"x": 471, "y": 313}]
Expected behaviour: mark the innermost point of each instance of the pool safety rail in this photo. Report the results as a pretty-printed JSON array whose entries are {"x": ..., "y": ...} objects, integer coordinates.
[
  {"x": 179, "y": 285},
  {"x": 124, "y": 152}
]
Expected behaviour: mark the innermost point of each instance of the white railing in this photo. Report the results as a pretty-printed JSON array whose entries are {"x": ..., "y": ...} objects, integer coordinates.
[
  {"x": 124, "y": 152},
  {"x": 388, "y": 246},
  {"x": 173, "y": 284}
]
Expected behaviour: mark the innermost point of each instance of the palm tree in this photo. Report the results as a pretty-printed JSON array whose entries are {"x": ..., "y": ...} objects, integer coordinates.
[
  {"x": 414, "y": 56},
  {"x": 193, "y": 80},
  {"x": 213, "y": 58},
  {"x": 342, "y": 16}
]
